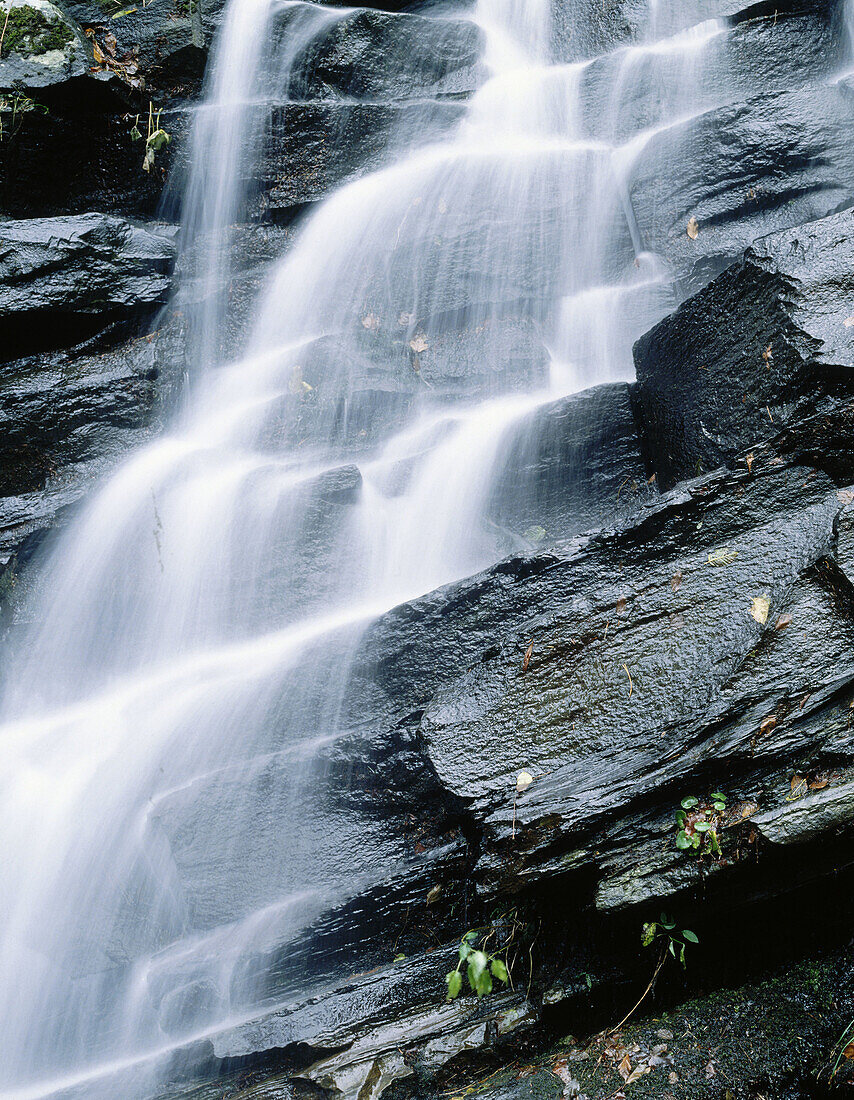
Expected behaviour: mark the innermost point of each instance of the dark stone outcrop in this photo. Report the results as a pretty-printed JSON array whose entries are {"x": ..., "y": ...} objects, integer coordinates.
[
  {"x": 42, "y": 49},
  {"x": 66, "y": 279},
  {"x": 573, "y": 465},
  {"x": 691, "y": 643},
  {"x": 375, "y": 56},
  {"x": 744, "y": 171},
  {"x": 764, "y": 354},
  {"x": 311, "y": 148},
  {"x": 612, "y": 724},
  {"x": 65, "y": 418},
  {"x": 777, "y": 48}
]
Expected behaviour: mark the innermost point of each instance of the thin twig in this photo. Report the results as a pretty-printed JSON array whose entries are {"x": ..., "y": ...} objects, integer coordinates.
[
  {"x": 644, "y": 995},
  {"x": 5, "y": 25}
]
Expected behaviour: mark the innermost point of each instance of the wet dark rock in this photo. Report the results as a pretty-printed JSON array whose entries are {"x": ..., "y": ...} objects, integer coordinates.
[
  {"x": 649, "y": 677},
  {"x": 763, "y": 355},
  {"x": 167, "y": 40},
  {"x": 65, "y": 418},
  {"x": 766, "y": 51},
  {"x": 376, "y": 378},
  {"x": 743, "y": 171},
  {"x": 573, "y": 465},
  {"x": 377, "y": 56},
  {"x": 66, "y": 279},
  {"x": 41, "y": 48},
  {"x": 311, "y": 148},
  {"x": 776, "y": 1037},
  {"x": 91, "y": 136}
]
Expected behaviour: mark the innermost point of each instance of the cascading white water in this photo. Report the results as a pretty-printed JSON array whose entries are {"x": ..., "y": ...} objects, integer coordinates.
[{"x": 171, "y": 688}]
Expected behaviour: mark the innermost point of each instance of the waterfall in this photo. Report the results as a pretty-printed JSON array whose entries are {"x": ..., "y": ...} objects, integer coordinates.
[{"x": 165, "y": 716}]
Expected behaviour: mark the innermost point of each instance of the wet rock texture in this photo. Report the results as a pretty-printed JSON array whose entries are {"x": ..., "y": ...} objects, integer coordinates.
[
  {"x": 675, "y": 616},
  {"x": 694, "y": 650}
]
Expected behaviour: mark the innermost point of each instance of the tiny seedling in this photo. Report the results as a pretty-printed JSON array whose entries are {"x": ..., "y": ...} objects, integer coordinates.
[
  {"x": 157, "y": 138},
  {"x": 670, "y": 941},
  {"x": 697, "y": 823},
  {"x": 480, "y": 969},
  {"x": 665, "y": 933}
]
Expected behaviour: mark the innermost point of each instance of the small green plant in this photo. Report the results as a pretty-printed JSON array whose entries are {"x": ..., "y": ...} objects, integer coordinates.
[
  {"x": 841, "y": 1058},
  {"x": 157, "y": 138},
  {"x": 697, "y": 823},
  {"x": 480, "y": 969},
  {"x": 13, "y": 107},
  {"x": 664, "y": 932}
]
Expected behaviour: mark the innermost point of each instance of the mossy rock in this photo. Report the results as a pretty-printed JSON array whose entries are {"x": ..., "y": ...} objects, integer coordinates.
[
  {"x": 34, "y": 30},
  {"x": 41, "y": 47}
]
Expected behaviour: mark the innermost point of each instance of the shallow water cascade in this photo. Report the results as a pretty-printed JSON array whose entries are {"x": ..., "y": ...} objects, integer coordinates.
[{"x": 175, "y": 717}]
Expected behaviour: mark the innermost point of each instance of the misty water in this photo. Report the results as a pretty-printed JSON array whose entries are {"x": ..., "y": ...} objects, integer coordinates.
[{"x": 165, "y": 717}]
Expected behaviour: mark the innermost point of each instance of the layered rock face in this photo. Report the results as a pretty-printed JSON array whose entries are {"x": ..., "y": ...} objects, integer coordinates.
[{"x": 665, "y": 652}]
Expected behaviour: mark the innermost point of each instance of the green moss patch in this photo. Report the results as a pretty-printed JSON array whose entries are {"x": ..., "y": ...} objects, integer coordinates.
[{"x": 30, "y": 31}]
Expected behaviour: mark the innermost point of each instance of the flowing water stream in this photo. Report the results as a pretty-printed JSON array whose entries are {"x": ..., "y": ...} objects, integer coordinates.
[{"x": 191, "y": 640}]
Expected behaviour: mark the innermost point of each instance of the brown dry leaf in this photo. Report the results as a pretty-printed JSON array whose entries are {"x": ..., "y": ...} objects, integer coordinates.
[
  {"x": 769, "y": 723},
  {"x": 748, "y": 809},
  {"x": 371, "y": 322},
  {"x": 783, "y": 622},
  {"x": 663, "y": 1033},
  {"x": 675, "y": 580},
  {"x": 650, "y": 480},
  {"x": 768, "y": 356},
  {"x": 523, "y": 781},
  {"x": 710, "y": 1070},
  {"x": 636, "y": 1073},
  {"x": 849, "y": 1051},
  {"x": 418, "y": 343},
  {"x": 434, "y": 894},
  {"x": 621, "y": 605},
  {"x": 109, "y": 41},
  {"x": 818, "y": 784},
  {"x": 759, "y": 608},
  {"x": 98, "y": 53},
  {"x": 529, "y": 653},
  {"x": 749, "y": 461},
  {"x": 625, "y": 1068},
  {"x": 693, "y": 229},
  {"x": 672, "y": 1078}
]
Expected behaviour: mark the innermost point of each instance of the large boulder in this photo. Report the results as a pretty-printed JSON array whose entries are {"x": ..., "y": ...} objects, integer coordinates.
[
  {"x": 764, "y": 354},
  {"x": 42, "y": 48},
  {"x": 66, "y": 279},
  {"x": 644, "y": 87},
  {"x": 311, "y": 148},
  {"x": 637, "y": 689},
  {"x": 743, "y": 171},
  {"x": 573, "y": 465},
  {"x": 377, "y": 56},
  {"x": 66, "y": 419}
]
